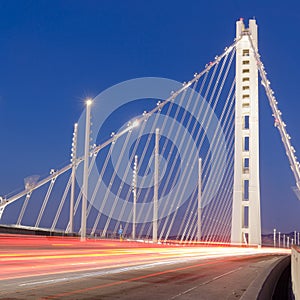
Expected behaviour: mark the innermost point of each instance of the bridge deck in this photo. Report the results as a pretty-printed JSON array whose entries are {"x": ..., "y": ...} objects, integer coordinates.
[{"x": 64, "y": 268}]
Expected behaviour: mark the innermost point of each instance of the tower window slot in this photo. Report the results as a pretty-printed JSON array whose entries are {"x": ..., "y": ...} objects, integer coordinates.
[
  {"x": 246, "y": 143},
  {"x": 246, "y": 52},
  {"x": 246, "y": 217},
  {"x": 246, "y": 122}
]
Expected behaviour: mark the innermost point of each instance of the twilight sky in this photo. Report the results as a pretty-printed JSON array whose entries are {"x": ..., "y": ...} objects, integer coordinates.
[{"x": 55, "y": 54}]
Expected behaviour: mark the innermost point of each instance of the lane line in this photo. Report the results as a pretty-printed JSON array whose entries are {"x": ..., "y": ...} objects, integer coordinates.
[
  {"x": 204, "y": 283},
  {"x": 74, "y": 292},
  {"x": 58, "y": 296}
]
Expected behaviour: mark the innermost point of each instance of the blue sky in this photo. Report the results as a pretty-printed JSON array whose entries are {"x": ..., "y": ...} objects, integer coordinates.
[{"x": 54, "y": 54}]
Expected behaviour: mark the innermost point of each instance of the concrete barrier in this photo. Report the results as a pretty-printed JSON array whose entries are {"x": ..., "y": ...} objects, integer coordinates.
[
  {"x": 296, "y": 271},
  {"x": 264, "y": 285}
]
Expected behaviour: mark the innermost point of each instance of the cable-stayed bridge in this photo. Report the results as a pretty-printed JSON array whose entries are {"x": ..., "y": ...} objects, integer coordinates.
[{"x": 156, "y": 159}]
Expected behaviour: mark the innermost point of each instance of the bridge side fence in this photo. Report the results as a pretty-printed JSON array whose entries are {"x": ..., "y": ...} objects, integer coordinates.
[{"x": 295, "y": 268}]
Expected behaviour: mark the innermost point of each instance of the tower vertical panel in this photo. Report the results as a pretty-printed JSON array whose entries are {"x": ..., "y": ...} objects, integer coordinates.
[{"x": 246, "y": 227}]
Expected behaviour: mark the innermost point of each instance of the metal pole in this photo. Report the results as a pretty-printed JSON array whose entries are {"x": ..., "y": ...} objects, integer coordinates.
[
  {"x": 274, "y": 237},
  {"x": 155, "y": 200},
  {"x": 288, "y": 242},
  {"x": 199, "y": 199},
  {"x": 134, "y": 195},
  {"x": 85, "y": 170},
  {"x": 298, "y": 238},
  {"x": 295, "y": 237},
  {"x": 279, "y": 239},
  {"x": 284, "y": 241},
  {"x": 73, "y": 177}
]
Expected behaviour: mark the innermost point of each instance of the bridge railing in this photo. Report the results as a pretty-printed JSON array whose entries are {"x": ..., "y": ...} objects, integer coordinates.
[{"x": 295, "y": 269}]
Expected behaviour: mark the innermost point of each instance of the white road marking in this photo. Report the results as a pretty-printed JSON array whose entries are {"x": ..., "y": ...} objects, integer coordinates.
[{"x": 206, "y": 282}]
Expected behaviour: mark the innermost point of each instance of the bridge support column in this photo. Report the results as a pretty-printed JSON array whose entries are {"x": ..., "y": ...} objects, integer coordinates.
[
  {"x": 134, "y": 180},
  {"x": 246, "y": 223},
  {"x": 73, "y": 176}
]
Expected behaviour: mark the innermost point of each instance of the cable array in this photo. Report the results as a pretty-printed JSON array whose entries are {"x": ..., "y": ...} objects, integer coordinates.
[
  {"x": 278, "y": 122},
  {"x": 195, "y": 121}
]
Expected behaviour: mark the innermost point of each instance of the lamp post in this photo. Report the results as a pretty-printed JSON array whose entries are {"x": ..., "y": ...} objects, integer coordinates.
[
  {"x": 155, "y": 198},
  {"x": 199, "y": 199},
  {"x": 86, "y": 169}
]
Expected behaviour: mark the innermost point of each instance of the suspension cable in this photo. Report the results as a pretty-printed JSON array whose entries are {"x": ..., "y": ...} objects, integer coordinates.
[{"x": 281, "y": 126}]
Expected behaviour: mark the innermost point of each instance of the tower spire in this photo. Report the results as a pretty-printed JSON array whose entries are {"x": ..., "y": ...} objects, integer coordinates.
[{"x": 246, "y": 224}]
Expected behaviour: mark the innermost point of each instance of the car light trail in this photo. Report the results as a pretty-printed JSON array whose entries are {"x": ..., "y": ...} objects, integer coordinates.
[{"x": 23, "y": 257}]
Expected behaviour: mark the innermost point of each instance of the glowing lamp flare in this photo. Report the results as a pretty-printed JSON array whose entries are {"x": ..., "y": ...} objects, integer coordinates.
[
  {"x": 89, "y": 102},
  {"x": 136, "y": 123}
]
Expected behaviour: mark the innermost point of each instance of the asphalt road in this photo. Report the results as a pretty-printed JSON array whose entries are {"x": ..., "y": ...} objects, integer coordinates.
[{"x": 64, "y": 268}]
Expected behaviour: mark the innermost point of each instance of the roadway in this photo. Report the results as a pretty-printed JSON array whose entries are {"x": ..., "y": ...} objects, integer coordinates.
[{"x": 65, "y": 268}]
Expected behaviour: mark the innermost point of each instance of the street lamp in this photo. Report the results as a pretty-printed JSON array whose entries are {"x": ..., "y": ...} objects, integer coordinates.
[
  {"x": 199, "y": 199},
  {"x": 86, "y": 168},
  {"x": 155, "y": 197}
]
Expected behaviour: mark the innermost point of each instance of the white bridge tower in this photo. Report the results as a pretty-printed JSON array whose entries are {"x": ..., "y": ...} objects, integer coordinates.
[{"x": 246, "y": 223}]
